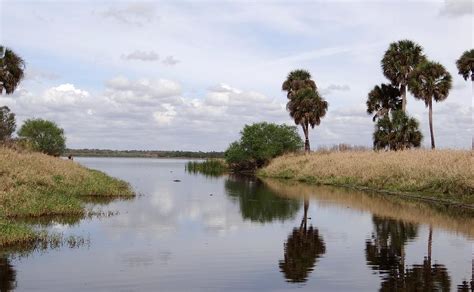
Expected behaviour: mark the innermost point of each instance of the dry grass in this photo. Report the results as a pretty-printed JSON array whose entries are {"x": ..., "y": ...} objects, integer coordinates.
[
  {"x": 34, "y": 184},
  {"x": 442, "y": 174}
]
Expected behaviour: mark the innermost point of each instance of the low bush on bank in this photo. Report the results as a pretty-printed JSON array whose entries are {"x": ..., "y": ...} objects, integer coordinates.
[
  {"x": 209, "y": 167},
  {"x": 259, "y": 143},
  {"x": 446, "y": 174}
]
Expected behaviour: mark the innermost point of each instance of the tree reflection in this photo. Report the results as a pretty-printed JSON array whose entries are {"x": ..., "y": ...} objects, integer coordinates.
[
  {"x": 302, "y": 249},
  {"x": 385, "y": 252},
  {"x": 257, "y": 202},
  {"x": 7, "y": 275}
]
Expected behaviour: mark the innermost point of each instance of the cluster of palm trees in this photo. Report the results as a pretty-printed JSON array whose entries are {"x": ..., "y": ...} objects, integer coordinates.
[
  {"x": 407, "y": 68},
  {"x": 306, "y": 106}
]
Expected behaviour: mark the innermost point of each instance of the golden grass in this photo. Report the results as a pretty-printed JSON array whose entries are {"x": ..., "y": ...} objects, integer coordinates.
[
  {"x": 34, "y": 184},
  {"x": 451, "y": 218},
  {"x": 442, "y": 174}
]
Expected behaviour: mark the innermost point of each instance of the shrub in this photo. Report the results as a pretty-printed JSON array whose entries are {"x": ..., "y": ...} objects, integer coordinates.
[{"x": 44, "y": 136}]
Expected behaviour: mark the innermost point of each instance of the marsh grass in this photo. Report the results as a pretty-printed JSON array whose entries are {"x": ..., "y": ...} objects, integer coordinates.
[
  {"x": 213, "y": 167},
  {"x": 36, "y": 185},
  {"x": 439, "y": 174}
]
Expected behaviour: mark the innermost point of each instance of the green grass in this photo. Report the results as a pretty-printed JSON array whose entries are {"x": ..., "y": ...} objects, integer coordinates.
[
  {"x": 212, "y": 167},
  {"x": 37, "y": 185}
]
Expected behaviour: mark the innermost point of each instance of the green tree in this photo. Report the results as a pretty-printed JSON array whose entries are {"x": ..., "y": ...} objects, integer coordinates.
[
  {"x": 7, "y": 124},
  {"x": 430, "y": 80},
  {"x": 382, "y": 100},
  {"x": 261, "y": 142},
  {"x": 465, "y": 65},
  {"x": 397, "y": 132},
  {"x": 11, "y": 70},
  {"x": 44, "y": 136},
  {"x": 296, "y": 80},
  {"x": 400, "y": 59}
]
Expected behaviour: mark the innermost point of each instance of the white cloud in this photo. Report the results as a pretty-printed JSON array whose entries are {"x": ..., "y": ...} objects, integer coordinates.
[
  {"x": 64, "y": 94},
  {"x": 170, "y": 61},
  {"x": 137, "y": 13},
  {"x": 142, "y": 56},
  {"x": 457, "y": 7}
]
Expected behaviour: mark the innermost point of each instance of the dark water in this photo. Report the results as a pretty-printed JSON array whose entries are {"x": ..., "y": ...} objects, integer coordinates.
[{"x": 236, "y": 233}]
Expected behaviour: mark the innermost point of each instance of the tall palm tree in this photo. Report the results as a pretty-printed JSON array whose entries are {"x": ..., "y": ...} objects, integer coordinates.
[
  {"x": 305, "y": 104},
  {"x": 11, "y": 70},
  {"x": 382, "y": 100},
  {"x": 465, "y": 65},
  {"x": 430, "y": 80},
  {"x": 307, "y": 108},
  {"x": 399, "y": 61}
]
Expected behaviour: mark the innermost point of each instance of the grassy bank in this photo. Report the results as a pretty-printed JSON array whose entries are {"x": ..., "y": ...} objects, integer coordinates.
[
  {"x": 441, "y": 174},
  {"x": 34, "y": 185}
]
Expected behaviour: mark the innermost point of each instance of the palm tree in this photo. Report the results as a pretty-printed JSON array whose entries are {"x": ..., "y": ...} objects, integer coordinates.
[
  {"x": 465, "y": 65},
  {"x": 399, "y": 61},
  {"x": 296, "y": 80},
  {"x": 430, "y": 80},
  {"x": 397, "y": 132},
  {"x": 11, "y": 70},
  {"x": 382, "y": 100},
  {"x": 306, "y": 106}
]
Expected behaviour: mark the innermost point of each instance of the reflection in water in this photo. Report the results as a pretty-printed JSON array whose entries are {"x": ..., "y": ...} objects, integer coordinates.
[
  {"x": 7, "y": 275},
  {"x": 257, "y": 202},
  {"x": 385, "y": 252},
  {"x": 302, "y": 249}
]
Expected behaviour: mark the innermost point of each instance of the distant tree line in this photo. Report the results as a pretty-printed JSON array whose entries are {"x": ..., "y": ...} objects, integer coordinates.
[{"x": 143, "y": 153}]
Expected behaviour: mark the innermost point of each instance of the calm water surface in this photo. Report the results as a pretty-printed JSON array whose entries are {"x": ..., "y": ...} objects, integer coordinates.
[{"x": 236, "y": 233}]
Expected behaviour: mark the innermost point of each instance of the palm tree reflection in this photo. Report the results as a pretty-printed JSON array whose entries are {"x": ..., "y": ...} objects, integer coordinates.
[
  {"x": 7, "y": 275},
  {"x": 385, "y": 252},
  {"x": 302, "y": 249}
]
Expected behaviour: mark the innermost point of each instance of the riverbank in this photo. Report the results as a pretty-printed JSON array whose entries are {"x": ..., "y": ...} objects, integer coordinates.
[
  {"x": 445, "y": 175},
  {"x": 36, "y": 185}
]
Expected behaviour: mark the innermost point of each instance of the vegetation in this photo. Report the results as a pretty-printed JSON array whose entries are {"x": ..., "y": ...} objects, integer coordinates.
[
  {"x": 440, "y": 174},
  {"x": 259, "y": 143},
  {"x": 397, "y": 132},
  {"x": 213, "y": 167},
  {"x": 399, "y": 61},
  {"x": 465, "y": 65},
  {"x": 382, "y": 100},
  {"x": 142, "y": 153},
  {"x": 11, "y": 70},
  {"x": 34, "y": 184},
  {"x": 305, "y": 104},
  {"x": 43, "y": 136},
  {"x": 7, "y": 124},
  {"x": 430, "y": 80}
]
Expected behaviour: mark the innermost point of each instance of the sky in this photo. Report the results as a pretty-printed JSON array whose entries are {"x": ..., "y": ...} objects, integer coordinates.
[{"x": 188, "y": 75}]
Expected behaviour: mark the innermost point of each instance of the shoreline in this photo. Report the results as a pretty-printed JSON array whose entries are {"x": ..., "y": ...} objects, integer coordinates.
[
  {"x": 438, "y": 176},
  {"x": 34, "y": 185}
]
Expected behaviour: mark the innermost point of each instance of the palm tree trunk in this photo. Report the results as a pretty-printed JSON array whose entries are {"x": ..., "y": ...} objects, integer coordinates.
[
  {"x": 304, "y": 224},
  {"x": 403, "y": 91},
  {"x": 306, "y": 136},
  {"x": 430, "y": 115}
]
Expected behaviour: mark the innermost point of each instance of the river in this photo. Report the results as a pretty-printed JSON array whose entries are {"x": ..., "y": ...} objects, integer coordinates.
[{"x": 190, "y": 232}]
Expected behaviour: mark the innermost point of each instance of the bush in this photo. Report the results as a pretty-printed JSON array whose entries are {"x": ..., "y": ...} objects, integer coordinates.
[
  {"x": 397, "y": 132},
  {"x": 211, "y": 167},
  {"x": 44, "y": 136},
  {"x": 261, "y": 142},
  {"x": 7, "y": 124}
]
